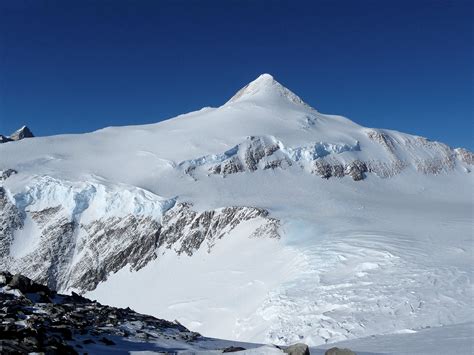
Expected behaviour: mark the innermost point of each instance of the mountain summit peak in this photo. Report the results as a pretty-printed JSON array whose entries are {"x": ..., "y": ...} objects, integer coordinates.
[
  {"x": 19, "y": 134},
  {"x": 23, "y": 132},
  {"x": 265, "y": 77},
  {"x": 265, "y": 89}
]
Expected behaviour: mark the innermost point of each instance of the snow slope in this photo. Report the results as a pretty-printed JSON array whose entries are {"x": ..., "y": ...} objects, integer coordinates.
[
  {"x": 332, "y": 231},
  {"x": 451, "y": 339}
]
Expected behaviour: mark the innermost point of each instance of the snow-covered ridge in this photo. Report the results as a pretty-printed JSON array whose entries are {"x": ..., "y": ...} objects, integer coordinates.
[
  {"x": 86, "y": 201},
  {"x": 265, "y": 110},
  {"x": 73, "y": 234},
  {"x": 335, "y": 159},
  {"x": 19, "y": 134}
]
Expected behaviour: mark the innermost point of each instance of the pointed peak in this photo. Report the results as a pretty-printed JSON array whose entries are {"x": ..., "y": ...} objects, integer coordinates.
[
  {"x": 265, "y": 77},
  {"x": 266, "y": 89},
  {"x": 23, "y": 132}
]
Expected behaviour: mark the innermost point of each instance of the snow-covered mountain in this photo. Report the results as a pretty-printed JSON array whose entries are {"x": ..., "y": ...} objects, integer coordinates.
[
  {"x": 260, "y": 220},
  {"x": 23, "y": 132}
]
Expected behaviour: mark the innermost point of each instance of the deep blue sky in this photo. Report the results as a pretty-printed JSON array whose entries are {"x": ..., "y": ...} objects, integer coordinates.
[{"x": 76, "y": 66}]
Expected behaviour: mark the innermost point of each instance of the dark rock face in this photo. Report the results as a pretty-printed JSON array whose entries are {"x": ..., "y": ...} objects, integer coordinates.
[
  {"x": 188, "y": 229},
  {"x": 37, "y": 319},
  {"x": 326, "y": 160},
  {"x": 254, "y": 150},
  {"x": 134, "y": 239},
  {"x": 21, "y": 283},
  {"x": 253, "y": 154},
  {"x": 4, "y": 139},
  {"x": 233, "y": 349},
  {"x": 355, "y": 169},
  {"x": 23, "y": 132},
  {"x": 297, "y": 349},
  {"x": 10, "y": 220},
  {"x": 338, "y": 351},
  {"x": 109, "y": 244},
  {"x": 5, "y": 174},
  {"x": 231, "y": 166}
]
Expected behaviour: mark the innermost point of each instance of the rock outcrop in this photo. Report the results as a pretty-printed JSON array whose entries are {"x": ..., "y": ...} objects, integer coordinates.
[
  {"x": 5, "y": 174},
  {"x": 338, "y": 351},
  {"x": 297, "y": 349},
  {"x": 75, "y": 250},
  {"x": 23, "y": 132},
  {"x": 329, "y": 159},
  {"x": 185, "y": 230},
  {"x": 37, "y": 319}
]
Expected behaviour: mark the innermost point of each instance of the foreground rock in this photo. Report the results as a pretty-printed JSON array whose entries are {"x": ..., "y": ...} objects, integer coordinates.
[
  {"x": 297, "y": 349},
  {"x": 36, "y": 319},
  {"x": 338, "y": 351}
]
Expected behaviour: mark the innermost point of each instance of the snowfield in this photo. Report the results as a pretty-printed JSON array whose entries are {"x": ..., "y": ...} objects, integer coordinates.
[{"x": 375, "y": 227}]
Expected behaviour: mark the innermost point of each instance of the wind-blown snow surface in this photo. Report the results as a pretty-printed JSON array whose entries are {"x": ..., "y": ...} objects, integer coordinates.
[{"x": 355, "y": 258}]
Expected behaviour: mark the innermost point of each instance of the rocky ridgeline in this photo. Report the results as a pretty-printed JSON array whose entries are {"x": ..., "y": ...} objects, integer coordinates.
[
  {"x": 23, "y": 132},
  {"x": 109, "y": 243},
  {"x": 35, "y": 318},
  {"x": 186, "y": 230},
  {"x": 5, "y": 174},
  {"x": 327, "y": 160}
]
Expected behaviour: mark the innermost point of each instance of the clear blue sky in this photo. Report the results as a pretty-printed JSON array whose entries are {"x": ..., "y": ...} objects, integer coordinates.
[{"x": 76, "y": 66}]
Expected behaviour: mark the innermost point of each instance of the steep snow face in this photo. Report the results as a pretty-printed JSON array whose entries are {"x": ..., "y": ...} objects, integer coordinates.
[
  {"x": 86, "y": 201},
  {"x": 278, "y": 223}
]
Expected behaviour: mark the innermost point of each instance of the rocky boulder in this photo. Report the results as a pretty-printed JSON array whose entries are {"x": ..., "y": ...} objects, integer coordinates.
[
  {"x": 297, "y": 349},
  {"x": 338, "y": 351}
]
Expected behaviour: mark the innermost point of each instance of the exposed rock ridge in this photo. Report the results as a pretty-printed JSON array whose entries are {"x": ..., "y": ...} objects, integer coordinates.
[
  {"x": 76, "y": 255},
  {"x": 37, "y": 319},
  {"x": 23, "y": 132},
  {"x": 333, "y": 159},
  {"x": 184, "y": 230},
  {"x": 10, "y": 220}
]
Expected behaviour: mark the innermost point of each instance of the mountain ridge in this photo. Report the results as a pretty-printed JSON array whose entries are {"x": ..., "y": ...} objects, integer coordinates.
[
  {"x": 19, "y": 134},
  {"x": 293, "y": 212}
]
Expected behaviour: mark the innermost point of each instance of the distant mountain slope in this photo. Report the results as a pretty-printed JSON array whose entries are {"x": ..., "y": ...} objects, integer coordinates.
[{"x": 279, "y": 223}]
